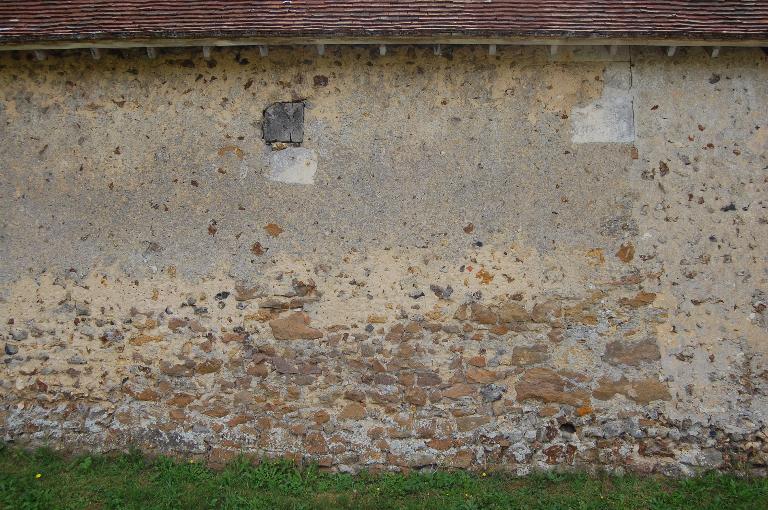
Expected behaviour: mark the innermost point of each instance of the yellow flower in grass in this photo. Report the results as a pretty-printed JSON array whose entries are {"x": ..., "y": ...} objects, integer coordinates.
[{"x": 39, "y": 475}]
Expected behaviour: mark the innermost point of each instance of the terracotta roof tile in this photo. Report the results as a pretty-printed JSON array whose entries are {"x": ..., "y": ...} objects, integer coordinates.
[{"x": 77, "y": 20}]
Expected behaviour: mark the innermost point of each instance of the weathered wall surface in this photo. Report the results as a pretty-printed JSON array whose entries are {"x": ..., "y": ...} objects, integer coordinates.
[{"x": 512, "y": 261}]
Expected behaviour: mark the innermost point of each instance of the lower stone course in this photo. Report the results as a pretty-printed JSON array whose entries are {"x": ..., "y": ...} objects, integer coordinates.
[{"x": 484, "y": 387}]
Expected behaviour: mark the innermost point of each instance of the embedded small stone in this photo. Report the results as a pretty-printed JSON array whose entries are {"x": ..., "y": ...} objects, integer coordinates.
[
  {"x": 492, "y": 392},
  {"x": 209, "y": 366},
  {"x": 216, "y": 412},
  {"x": 440, "y": 292},
  {"x": 462, "y": 313},
  {"x": 315, "y": 444},
  {"x": 626, "y": 252},
  {"x": 477, "y": 361},
  {"x": 257, "y": 249},
  {"x": 145, "y": 339},
  {"x": 275, "y": 304},
  {"x": 237, "y": 420},
  {"x": 640, "y": 299},
  {"x": 77, "y": 360},
  {"x": 197, "y": 327},
  {"x": 395, "y": 333},
  {"x": 354, "y": 395},
  {"x": 421, "y": 460},
  {"x": 462, "y": 459},
  {"x": 175, "y": 323},
  {"x": 257, "y": 370},
  {"x": 234, "y": 337},
  {"x": 416, "y": 396},
  {"x": 321, "y": 417},
  {"x": 482, "y": 314},
  {"x": 10, "y": 349},
  {"x": 244, "y": 293},
  {"x": 546, "y": 311},
  {"x": 284, "y": 366},
  {"x": 181, "y": 400},
  {"x": 19, "y": 334},
  {"x": 440, "y": 444},
  {"x": 710, "y": 458},
  {"x": 148, "y": 395},
  {"x": 424, "y": 378},
  {"x": 179, "y": 370},
  {"x": 112, "y": 335}
]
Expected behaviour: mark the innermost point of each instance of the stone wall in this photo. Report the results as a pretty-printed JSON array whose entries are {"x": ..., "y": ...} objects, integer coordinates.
[{"x": 514, "y": 261}]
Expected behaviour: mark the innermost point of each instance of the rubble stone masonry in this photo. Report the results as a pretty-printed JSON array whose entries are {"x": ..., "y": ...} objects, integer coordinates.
[{"x": 519, "y": 261}]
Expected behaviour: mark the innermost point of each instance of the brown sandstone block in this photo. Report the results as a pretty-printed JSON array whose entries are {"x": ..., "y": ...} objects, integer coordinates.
[
  {"x": 482, "y": 314},
  {"x": 632, "y": 353},
  {"x": 209, "y": 366},
  {"x": 145, "y": 339},
  {"x": 294, "y": 326},
  {"x": 462, "y": 459},
  {"x": 513, "y": 312},
  {"x": 530, "y": 355},
  {"x": 459, "y": 390},
  {"x": 353, "y": 411},
  {"x": 546, "y": 385},
  {"x": 468, "y": 423},
  {"x": 481, "y": 375}
]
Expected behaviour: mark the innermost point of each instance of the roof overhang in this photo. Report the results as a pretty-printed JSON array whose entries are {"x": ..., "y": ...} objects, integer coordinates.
[
  {"x": 67, "y": 24},
  {"x": 329, "y": 41}
]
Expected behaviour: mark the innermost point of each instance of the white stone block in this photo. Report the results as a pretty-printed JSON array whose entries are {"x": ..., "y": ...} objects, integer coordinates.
[{"x": 294, "y": 165}]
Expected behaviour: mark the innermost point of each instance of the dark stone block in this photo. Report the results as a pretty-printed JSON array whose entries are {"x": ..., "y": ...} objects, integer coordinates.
[{"x": 284, "y": 122}]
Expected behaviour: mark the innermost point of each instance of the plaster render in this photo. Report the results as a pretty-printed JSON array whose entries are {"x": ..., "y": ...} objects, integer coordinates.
[{"x": 456, "y": 278}]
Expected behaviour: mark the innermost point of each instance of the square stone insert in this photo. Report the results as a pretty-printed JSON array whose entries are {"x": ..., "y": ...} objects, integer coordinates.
[{"x": 284, "y": 122}]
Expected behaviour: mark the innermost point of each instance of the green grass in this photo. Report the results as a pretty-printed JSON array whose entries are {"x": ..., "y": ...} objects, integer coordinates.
[{"x": 134, "y": 481}]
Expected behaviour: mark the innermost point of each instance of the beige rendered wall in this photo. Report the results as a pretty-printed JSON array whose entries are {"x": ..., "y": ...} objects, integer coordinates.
[{"x": 519, "y": 261}]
